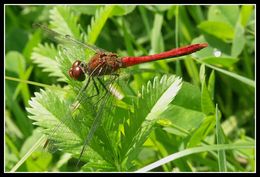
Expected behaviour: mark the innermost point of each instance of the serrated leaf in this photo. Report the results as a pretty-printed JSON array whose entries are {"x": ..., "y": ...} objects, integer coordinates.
[
  {"x": 64, "y": 21},
  {"x": 98, "y": 165},
  {"x": 97, "y": 23},
  {"x": 155, "y": 99},
  {"x": 53, "y": 115},
  {"x": 44, "y": 56}
]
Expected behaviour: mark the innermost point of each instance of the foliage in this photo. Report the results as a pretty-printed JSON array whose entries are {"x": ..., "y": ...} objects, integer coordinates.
[{"x": 172, "y": 108}]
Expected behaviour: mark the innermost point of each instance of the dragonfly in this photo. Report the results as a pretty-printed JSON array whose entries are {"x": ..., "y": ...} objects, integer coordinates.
[{"x": 104, "y": 63}]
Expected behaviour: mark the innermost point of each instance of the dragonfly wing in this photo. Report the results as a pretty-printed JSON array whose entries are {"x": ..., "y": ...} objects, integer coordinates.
[
  {"x": 103, "y": 107},
  {"x": 66, "y": 39}
]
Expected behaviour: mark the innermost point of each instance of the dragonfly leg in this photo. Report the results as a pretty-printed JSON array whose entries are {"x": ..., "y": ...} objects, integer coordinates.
[
  {"x": 96, "y": 88},
  {"x": 103, "y": 85},
  {"x": 78, "y": 98}
]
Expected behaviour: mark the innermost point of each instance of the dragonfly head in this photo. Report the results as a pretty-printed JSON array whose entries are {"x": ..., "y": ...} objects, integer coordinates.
[{"x": 78, "y": 70}]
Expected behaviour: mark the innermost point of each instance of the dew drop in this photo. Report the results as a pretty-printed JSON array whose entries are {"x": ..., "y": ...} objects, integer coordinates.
[{"x": 217, "y": 53}]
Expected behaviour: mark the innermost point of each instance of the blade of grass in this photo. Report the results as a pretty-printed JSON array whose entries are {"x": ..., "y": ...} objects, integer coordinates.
[
  {"x": 33, "y": 148},
  {"x": 220, "y": 140},
  {"x": 190, "y": 151},
  {"x": 178, "y": 64},
  {"x": 31, "y": 82},
  {"x": 235, "y": 76}
]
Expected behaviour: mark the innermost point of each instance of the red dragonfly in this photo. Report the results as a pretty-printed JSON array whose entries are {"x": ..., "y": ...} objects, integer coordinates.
[{"x": 107, "y": 63}]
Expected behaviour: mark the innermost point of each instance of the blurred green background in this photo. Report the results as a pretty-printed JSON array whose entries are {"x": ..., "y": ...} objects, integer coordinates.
[{"x": 226, "y": 69}]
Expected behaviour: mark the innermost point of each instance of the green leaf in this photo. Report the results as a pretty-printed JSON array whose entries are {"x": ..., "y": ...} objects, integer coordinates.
[
  {"x": 220, "y": 61},
  {"x": 68, "y": 133},
  {"x": 207, "y": 106},
  {"x": 44, "y": 56},
  {"x": 192, "y": 70},
  {"x": 89, "y": 10},
  {"x": 189, "y": 97},
  {"x": 157, "y": 97},
  {"x": 11, "y": 153},
  {"x": 204, "y": 129},
  {"x": 34, "y": 40},
  {"x": 15, "y": 62},
  {"x": 64, "y": 21},
  {"x": 18, "y": 35},
  {"x": 226, "y": 14},
  {"x": 202, "y": 73},
  {"x": 246, "y": 12},
  {"x": 221, "y": 30},
  {"x": 182, "y": 120},
  {"x": 187, "y": 32},
  {"x": 160, "y": 8},
  {"x": 98, "y": 165},
  {"x": 238, "y": 41},
  {"x": 156, "y": 39},
  {"x": 121, "y": 10},
  {"x": 39, "y": 162},
  {"x": 22, "y": 121},
  {"x": 211, "y": 84},
  {"x": 11, "y": 128},
  {"x": 97, "y": 23},
  {"x": 63, "y": 131},
  {"x": 196, "y": 12},
  {"x": 171, "y": 12},
  {"x": 206, "y": 52},
  {"x": 22, "y": 87}
]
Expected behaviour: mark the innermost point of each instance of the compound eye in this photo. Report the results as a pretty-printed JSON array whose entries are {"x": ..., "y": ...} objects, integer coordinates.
[
  {"x": 77, "y": 74},
  {"x": 71, "y": 73},
  {"x": 76, "y": 63}
]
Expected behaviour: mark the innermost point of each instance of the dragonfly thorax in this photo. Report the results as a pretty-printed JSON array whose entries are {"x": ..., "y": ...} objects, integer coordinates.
[
  {"x": 103, "y": 64},
  {"x": 100, "y": 64}
]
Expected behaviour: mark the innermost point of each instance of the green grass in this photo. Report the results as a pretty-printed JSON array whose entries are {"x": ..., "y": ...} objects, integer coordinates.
[{"x": 194, "y": 113}]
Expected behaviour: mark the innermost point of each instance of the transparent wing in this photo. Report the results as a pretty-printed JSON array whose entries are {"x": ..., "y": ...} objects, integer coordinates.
[
  {"x": 103, "y": 107},
  {"x": 66, "y": 39},
  {"x": 84, "y": 114}
]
